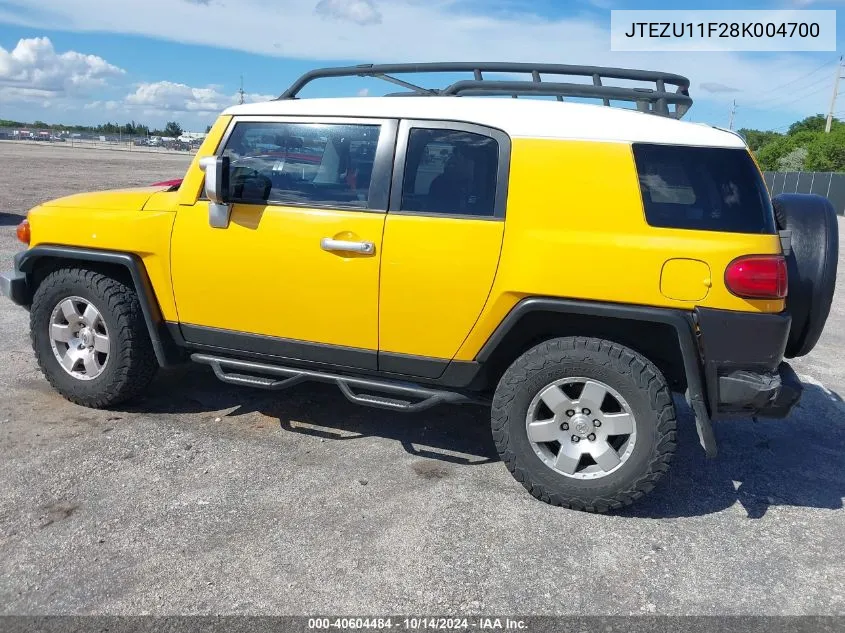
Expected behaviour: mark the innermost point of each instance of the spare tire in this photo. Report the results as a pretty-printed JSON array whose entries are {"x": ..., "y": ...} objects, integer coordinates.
[{"x": 811, "y": 265}]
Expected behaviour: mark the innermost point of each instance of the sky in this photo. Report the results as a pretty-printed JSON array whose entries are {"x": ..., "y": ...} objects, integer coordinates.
[{"x": 152, "y": 61}]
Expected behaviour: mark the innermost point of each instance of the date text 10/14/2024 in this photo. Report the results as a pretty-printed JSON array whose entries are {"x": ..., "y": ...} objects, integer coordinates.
[{"x": 416, "y": 624}]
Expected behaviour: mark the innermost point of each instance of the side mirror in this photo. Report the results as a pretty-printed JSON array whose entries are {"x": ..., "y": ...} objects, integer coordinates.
[{"x": 216, "y": 170}]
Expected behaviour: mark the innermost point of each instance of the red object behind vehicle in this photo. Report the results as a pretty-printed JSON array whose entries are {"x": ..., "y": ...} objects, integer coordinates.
[
  {"x": 168, "y": 183},
  {"x": 757, "y": 277}
]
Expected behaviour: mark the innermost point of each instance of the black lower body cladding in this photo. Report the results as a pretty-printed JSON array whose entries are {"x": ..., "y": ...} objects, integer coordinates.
[
  {"x": 743, "y": 362},
  {"x": 14, "y": 286},
  {"x": 811, "y": 262}
]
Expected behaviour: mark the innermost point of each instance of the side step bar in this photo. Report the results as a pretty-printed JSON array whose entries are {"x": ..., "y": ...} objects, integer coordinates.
[{"x": 411, "y": 397}]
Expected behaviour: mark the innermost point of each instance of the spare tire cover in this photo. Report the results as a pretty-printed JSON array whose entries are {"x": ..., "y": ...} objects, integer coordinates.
[{"x": 811, "y": 265}]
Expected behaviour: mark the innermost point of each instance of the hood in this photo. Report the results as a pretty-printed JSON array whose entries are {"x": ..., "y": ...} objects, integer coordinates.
[{"x": 123, "y": 199}]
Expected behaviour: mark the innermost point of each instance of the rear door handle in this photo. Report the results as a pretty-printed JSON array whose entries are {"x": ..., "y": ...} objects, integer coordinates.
[{"x": 332, "y": 245}]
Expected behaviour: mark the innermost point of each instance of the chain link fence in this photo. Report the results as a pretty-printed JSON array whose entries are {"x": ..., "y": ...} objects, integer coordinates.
[
  {"x": 831, "y": 185},
  {"x": 95, "y": 140}
]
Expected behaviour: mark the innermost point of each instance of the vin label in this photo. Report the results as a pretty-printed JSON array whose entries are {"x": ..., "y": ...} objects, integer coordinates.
[{"x": 764, "y": 30}]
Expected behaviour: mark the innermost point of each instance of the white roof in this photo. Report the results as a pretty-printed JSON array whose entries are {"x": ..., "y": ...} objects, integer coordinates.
[{"x": 527, "y": 118}]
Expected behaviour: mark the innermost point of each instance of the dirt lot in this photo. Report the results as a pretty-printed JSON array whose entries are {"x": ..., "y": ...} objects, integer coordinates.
[{"x": 203, "y": 498}]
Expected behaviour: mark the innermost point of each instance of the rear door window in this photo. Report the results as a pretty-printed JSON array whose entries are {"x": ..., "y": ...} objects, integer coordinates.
[
  {"x": 703, "y": 188},
  {"x": 450, "y": 172}
]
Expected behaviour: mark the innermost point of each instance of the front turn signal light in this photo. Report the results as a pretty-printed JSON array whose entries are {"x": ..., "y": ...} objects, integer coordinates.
[{"x": 23, "y": 232}]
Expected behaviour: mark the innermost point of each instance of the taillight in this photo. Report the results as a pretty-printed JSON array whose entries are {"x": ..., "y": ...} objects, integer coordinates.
[
  {"x": 23, "y": 232},
  {"x": 757, "y": 277}
]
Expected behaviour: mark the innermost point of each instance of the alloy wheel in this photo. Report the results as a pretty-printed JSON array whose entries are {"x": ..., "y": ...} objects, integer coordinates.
[{"x": 581, "y": 428}]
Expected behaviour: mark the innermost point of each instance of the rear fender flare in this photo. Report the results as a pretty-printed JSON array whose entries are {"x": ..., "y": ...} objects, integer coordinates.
[{"x": 682, "y": 322}]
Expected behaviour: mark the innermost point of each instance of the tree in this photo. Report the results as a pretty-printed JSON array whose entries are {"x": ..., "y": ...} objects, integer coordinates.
[
  {"x": 794, "y": 160},
  {"x": 172, "y": 129},
  {"x": 757, "y": 139},
  {"x": 805, "y": 146},
  {"x": 815, "y": 123},
  {"x": 770, "y": 155},
  {"x": 827, "y": 152},
  {"x": 133, "y": 129}
]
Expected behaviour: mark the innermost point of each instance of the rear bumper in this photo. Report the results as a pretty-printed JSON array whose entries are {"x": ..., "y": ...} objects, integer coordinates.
[
  {"x": 14, "y": 286},
  {"x": 768, "y": 394},
  {"x": 744, "y": 371}
]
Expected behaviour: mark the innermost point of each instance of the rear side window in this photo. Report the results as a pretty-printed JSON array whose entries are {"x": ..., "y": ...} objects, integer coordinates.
[
  {"x": 703, "y": 188},
  {"x": 450, "y": 172}
]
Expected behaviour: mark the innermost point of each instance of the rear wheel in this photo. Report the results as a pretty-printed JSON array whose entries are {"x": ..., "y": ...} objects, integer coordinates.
[
  {"x": 90, "y": 338},
  {"x": 584, "y": 423}
]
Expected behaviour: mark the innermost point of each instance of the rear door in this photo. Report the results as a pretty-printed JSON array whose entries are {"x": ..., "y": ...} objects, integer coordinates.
[{"x": 442, "y": 239}]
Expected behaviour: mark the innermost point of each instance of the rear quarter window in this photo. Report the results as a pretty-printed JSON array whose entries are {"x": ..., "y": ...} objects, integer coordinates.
[{"x": 703, "y": 188}]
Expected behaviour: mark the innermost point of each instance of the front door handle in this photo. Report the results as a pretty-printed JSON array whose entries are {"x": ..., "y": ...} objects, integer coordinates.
[{"x": 332, "y": 245}]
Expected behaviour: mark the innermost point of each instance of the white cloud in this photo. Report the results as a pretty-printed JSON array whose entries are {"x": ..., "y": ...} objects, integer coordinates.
[
  {"x": 413, "y": 30},
  {"x": 357, "y": 11},
  {"x": 167, "y": 96},
  {"x": 409, "y": 30},
  {"x": 715, "y": 86},
  {"x": 34, "y": 67},
  {"x": 110, "y": 105},
  {"x": 12, "y": 94}
]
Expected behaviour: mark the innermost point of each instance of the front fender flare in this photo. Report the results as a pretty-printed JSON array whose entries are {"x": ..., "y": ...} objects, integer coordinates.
[{"x": 166, "y": 350}]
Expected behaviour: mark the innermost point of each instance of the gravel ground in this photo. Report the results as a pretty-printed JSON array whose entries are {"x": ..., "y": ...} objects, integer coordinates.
[{"x": 203, "y": 498}]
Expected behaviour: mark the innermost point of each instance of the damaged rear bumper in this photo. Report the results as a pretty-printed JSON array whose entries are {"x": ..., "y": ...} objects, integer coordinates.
[
  {"x": 769, "y": 394},
  {"x": 742, "y": 353}
]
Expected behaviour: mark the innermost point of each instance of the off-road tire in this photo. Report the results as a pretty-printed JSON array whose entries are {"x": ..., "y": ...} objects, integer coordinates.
[
  {"x": 632, "y": 375},
  {"x": 132, "y": 363}
]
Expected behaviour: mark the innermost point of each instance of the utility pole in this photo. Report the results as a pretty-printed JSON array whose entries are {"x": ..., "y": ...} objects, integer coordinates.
[
  {"x": 833, "y": 98},
  {"x": 241, "y": 92},
  {"x": 733, "y": 113}
]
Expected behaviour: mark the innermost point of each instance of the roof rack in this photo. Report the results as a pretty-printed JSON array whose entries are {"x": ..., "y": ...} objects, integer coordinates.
[{"x": 655, "y": 100}]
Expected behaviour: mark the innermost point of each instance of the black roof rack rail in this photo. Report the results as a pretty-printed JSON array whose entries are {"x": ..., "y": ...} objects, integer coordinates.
[{"x": 656, "y": 100}]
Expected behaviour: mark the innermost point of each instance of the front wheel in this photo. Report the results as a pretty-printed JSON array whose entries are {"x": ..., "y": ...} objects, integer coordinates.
[
  {"x": 584, "y": 423},
  {"x": 90, "y": 338}
]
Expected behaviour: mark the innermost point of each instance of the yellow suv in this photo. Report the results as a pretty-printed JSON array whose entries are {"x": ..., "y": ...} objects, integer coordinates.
[{"x": 566, "y": 263}]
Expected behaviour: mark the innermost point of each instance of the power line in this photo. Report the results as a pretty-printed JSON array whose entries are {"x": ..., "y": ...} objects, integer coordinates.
[
  {"x": 789, "y": 83},
  {"x": 803, "y": 96},
  {"x": 789, "y": 125},
  {"x": 774, "y": 101},
  {"x": 777, "y": 101}
]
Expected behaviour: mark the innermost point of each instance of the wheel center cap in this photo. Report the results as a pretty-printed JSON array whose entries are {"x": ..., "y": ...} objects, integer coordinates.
[
  {"x": 87, "y": 337},
  {"x": 582, "y": 425}
]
